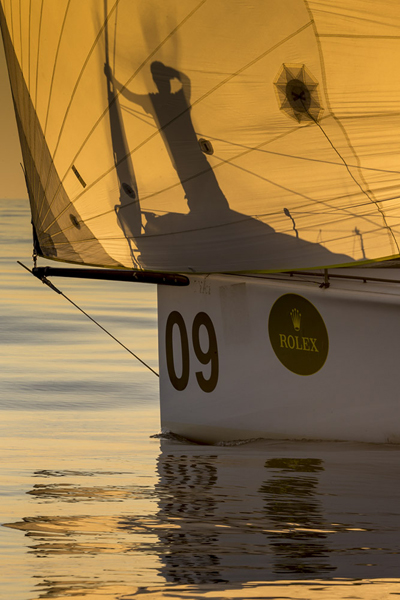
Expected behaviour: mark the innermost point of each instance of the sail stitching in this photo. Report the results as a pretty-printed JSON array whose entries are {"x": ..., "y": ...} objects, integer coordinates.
[
  {"x": 106, "y": 111},
  {"x": 323, "y": 72},
  {"x": 212, "y": 90}
]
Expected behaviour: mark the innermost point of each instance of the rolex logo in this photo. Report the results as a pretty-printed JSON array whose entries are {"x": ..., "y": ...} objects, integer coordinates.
[
  {"x": 295, "y": 315},
  {"x": 298, "y": 334}
]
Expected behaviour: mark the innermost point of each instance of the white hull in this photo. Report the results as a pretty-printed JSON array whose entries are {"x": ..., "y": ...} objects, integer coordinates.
[{"x": 247, "y": 390}]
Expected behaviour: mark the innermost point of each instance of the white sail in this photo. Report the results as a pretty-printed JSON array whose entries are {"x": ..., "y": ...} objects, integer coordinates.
[{"x": 209, "y": 135}]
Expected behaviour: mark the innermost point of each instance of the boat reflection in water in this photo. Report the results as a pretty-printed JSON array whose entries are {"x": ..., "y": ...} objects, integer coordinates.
[
  {"x": 240, "y": 518},
  {"x": 267, "y": 531},
  {"x": 299, "y": 531},
  {"x": 189, "y": 496}
]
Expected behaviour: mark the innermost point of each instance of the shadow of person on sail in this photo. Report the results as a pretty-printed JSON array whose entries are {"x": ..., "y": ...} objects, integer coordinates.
[{"x": 210, "y": 236}]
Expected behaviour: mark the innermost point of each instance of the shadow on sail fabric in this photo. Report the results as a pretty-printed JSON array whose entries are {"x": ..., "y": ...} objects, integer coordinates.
[{"x": 173, "y": 138}]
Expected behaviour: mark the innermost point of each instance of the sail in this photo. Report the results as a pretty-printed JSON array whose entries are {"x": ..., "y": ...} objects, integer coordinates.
[{"x": 209, "y": 135}]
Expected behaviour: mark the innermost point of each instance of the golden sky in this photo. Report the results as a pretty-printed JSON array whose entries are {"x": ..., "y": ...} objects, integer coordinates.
[{"x": 12, "y": 184}]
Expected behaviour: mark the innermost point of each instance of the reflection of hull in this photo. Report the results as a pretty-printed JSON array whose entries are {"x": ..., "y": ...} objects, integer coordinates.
[
  {"x": 281, "y": 357},
  {"x": 227, "y": 516},
  {"x": 276, "y": 511}
]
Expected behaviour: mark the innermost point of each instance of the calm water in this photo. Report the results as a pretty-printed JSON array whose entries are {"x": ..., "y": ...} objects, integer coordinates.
[{"x": 95, "y": 507}]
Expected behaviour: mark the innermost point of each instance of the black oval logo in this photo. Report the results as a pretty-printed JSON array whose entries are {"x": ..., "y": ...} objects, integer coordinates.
[{"x": 298, "y": 334}]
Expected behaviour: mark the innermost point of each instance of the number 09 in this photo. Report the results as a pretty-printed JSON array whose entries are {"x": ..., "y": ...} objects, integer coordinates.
[{"x": 204, "y": 356}]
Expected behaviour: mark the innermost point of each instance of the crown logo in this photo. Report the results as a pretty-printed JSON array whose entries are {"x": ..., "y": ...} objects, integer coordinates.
[{"x": 295, "y": 315}]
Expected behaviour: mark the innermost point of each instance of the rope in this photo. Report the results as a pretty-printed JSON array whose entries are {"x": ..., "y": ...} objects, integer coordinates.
[{"x": 55, "y": 289}]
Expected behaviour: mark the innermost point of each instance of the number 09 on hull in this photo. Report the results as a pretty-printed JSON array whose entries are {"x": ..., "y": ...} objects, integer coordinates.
[{"x": 280, "y": 357}]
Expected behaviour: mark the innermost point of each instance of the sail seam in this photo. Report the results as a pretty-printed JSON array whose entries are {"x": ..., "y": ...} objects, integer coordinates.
[{"x": 212, "y": 90}]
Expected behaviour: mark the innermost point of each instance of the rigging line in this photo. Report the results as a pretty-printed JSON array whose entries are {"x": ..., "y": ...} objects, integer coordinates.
[
  {"x": 55, "y": 289},
  {"x": 324, "y": 78},
  {"x": 85, "y": 63},
  {"x": 116, "y": 97},
  {"x": 365, "y": 192},
  {"x": 200, "y": 99}
]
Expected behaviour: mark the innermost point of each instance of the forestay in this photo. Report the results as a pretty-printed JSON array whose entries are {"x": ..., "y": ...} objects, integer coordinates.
[{"x": 209, "y": 135}]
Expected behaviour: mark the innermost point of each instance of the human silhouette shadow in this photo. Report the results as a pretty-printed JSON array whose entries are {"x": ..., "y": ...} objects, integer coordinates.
[{"x": 201, "y": 240}]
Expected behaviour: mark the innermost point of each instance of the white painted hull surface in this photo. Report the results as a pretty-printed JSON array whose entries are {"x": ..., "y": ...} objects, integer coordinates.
[{"x": 332, "y": 376}]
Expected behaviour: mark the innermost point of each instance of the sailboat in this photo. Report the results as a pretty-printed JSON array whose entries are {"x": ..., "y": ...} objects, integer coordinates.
[{"x": 244, "y": 157}]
